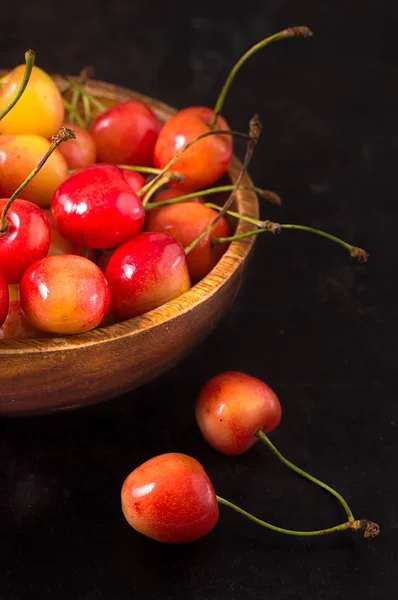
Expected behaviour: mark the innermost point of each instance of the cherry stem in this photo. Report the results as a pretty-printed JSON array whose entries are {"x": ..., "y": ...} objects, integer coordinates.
[
  {"x": 96, "y": 103},
  {"x": 255, "y": 129},
  {"x": 62, "y": 135},
  {"x": 370, "y": 529},
  {"x": 300, "y": 31},
  {"x": 29, "y": 62},
  {"x": 187, "y": 146},
  {"x": 160, "y": 183},
  {"x": 139, "y": 169},
  {"x": 215, "y": 190},
  {"x": 75, "y": 113},
  {"x": 87, "y": 110},
  {"x": 265, "y": 226},
  {"x": 261, "y": 436}
]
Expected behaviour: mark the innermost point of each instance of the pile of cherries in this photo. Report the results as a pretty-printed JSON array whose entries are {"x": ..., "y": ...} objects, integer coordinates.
[{"x": 102, "y": 212}]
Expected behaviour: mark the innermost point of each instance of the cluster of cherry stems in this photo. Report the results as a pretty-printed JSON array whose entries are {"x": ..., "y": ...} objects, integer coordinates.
[{"x": 90, "y": 245}]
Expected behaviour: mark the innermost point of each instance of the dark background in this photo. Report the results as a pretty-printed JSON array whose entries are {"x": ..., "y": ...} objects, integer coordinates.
[{"x": 319, "y": 328}]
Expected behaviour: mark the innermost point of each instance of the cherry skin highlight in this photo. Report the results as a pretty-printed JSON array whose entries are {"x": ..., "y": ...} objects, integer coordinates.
[
  {"x": 231, "y": 407},
  {"x": 204, "y": 162},
  {"x": 64, "y": 294},
  {"x": 135, "y": 180},
  {"x": 170, "y": 498},
  {"x": 4, "y": 300},
  {"x": 96, "y": 208},
  {"x": 79, "y": 152},
  {"x": 144, "y": 273},
  {"x": 185, "y": 221},
  {"x": 26, "y": 239},
  {"x": 126, "y": 134}
]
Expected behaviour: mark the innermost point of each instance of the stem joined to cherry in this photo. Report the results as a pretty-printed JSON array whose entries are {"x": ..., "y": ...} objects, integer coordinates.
[{"x": 29, "y": 62}]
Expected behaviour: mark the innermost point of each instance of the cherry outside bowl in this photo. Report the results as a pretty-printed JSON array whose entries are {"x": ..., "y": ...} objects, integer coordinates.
[{"x": 55, "y": 374}]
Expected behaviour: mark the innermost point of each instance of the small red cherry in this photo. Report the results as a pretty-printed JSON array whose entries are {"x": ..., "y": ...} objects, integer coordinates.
[
  {"x": 171, "y": 499},
  {"x": 231, "y": 407},
  {"x": 80, "y": 152},
  {"x": 96, "y": 208},
  {"x": 207, "y": 160},
  {"x": 4, "y": 300},
  {"x": 126, "y": 134},
  {"x": 146, "y": 272},
  {"x": 185, "y": 221},
  {"x": 64, "y": 294},
  {"x": 25, "y": 240}
]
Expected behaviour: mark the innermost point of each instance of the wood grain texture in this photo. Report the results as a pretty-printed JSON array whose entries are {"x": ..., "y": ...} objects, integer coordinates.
[{"x": 47, "y": 375}]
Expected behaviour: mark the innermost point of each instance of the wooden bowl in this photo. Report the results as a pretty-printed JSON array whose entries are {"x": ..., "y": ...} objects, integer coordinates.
[{"x": 48, "y": 375}]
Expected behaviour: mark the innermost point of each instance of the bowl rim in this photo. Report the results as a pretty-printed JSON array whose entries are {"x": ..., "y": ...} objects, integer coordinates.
[{"x": 236, "y": 254}]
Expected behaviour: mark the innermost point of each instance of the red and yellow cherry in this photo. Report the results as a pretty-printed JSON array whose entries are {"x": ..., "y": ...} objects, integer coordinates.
[
  {"x": 40, "y": 109},
  {"x": 81, "y": 151},
  {"x": 232, "y": 407},
  {"x": 146, "y": 272},
  {"x": 4, "y": 300},
  {"x": 25, "y": 239},
  {"x": 185, "y": 221},
  {"x": 134, "y": 179},
  {"x": 59, "y": 244},
  {"x": 16, "y": 326},
  {"x": 170, "y": 193},
  {"x": 19, "y": 155},
  {"x": 126, "y": 134},
  {"x": 171, "y": 499},
  {"x": 96, "y": 208},
  {"x": 64, "y": 294},
  {"x": 204, "y": 162}
]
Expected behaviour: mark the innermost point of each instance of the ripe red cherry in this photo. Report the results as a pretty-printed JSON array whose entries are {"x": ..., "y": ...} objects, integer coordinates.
[
  {"x": 135, "y": 180},
  {"x": 126, "y": 134},
  {"x": 80, "y": 152},
  {"x": 231, "y": 407},
  {"x": 4, "y": 300},
  {"x": 170, "y": 499},
  {"x": 207, "y": 160},
  {"x": 144, "y": 273},
  {"x": 64, "y": 294},
  {"x": 185, "y": 221},
  {"x": 26, "y": 239},
  {"x": 96, "y": 208}
]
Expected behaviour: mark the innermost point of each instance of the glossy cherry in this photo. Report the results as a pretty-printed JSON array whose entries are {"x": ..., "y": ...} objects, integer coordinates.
[
  {"x": 232, "y": 407},
  {"x": 135, "y": 180},
  {"x": 59, "y": 244},
  {"x": 170, "y": 193},
  {"x": 80, "y": 152},
  {"x": 171, "y": 499},
  {"x": 207, "y": 160},
  {"x": 126, "y": 134},
  {"x": 25, "y": 240},
  {"x": 96, "y": 208},
  {"x": 146, "y": 272},
  {"x": 64, "y": 294},
  {"x": 185, "y": 221},
  {"x": 4, "y": 300}
]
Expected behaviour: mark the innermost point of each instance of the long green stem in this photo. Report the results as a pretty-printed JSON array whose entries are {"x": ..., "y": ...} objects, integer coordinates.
[
  {"x": 232, "y": 213},
  {"x": 160, "y": 183},
  {"x": 186, "y": 147},
  {"x": 96, "y": 103},
  {"x": 207, "y": 192},
  {"x": 261, "y": 435},
  {"x": 369, "y": 528},
  {"x": 281, "y": 35},
  {"x": 266, "y": 226},
  {"x": 73, "y": 112},
  {"x": 87, "y": 111},
  {"x": 62, "y": 135},
  {"x": 29, "y": 62},
  {"x": 139, "y": 169}
]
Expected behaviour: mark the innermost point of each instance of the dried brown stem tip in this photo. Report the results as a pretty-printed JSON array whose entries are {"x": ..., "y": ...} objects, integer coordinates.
[
  {"x": 255, "y": 129},
  {"x": 359, "y": 254},
  {"x": 300, "y": 31},
  {"x": 370, "y": 529},
  {"x": 274, "y": 228},
  {"x": 63, "y": 135}
]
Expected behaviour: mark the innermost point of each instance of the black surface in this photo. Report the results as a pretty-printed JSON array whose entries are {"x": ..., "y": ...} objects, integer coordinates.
[{"x": 319, "y": 328}]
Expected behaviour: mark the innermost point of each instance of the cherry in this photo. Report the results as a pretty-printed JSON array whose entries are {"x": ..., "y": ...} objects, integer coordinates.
[
  {"x": 40, "y": 108},
  {"x": 4, "y": 300},
  {"x": 205, "y": 162},
  {"x": 59, "y": 244},
  {"x": 146, "y": 272},
  {"x": 232, "y": 407},
  {"x": 81, "y": 151},
  {"x": 170, "y": 193},
  {"x": 126, "y": 133},
  {"x": 64, "y": 294},
  {"x": 96, "y": 207},
  {"x": 16, "y": 326},
  {"x": 135, "y": 180},
  {"x": 171, "y": 499},
  {"x": 185, "y": 221}
]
